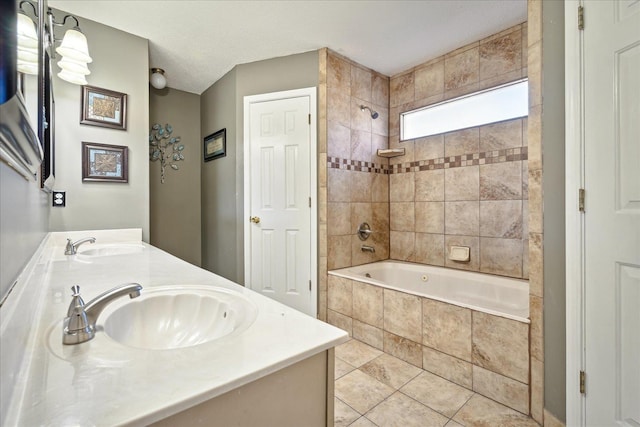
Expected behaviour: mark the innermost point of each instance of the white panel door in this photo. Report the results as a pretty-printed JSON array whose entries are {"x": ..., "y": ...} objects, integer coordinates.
[
  {"x": 612, "y": 213},
  {"x": 280, "y": 211}
]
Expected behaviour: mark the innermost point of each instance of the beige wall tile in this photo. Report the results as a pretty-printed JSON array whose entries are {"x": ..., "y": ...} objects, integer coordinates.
[
  {"x": 340, "y": 295},
  {"x": 401, "y": 187},
  {"x": 368, "y": 334},
  {"x": 472, "y": 242},
  {"x": 499, "y": 136},
  {"x": 402, "y": 216},
  {"x": 403, "y": 348},
  {"x": 359, "y": 257},
  {"x": 534, "y": 138},
  {"x": 339, "y": 321},
  {"x": 429, "y": 185},
  {"x": 461, "y": 218},
  {"x": 462, "y": 142},
  {"x": 339, "y": 254},
  {"x": 401, "y": 89},
  {"x": 429, "y": 80},
  {"x": 429, "y": 217},
  {"x": 462, "y": 183},
  {"x": 361, "y": 212},
  {"x": 446, "y": 328},
  {"x": 501, "y": 55},
  {"x": 461, "y": 69},
  {"x": 537, "y": 390},
  {"x": 402, "y": 245},
  {"x": 339, "y": 218},
  {"x": 380, "y": 223},
  {"x": 360, "y": 120},
  {"x": 339, "y": 140},
  {"x": 501, "y": 345},
  {"x": 534, "y": 71},
  {"x": 339, "y": 106},
  {"x": 322, "y": 170},
  {"x": 380, "y": 89},
  {"x": 368, "y": 304},
  {"x": 535, "y": 201},
  {"x": 380, "y": 126},
  {"x": 379, "y": 187},
  {"x": 403, "y": 315},
  {"x": 379, "y": 142},
  {"x": 500, "y": 181},
  {"x": 430, "y": 249},
  {"x": 501, "y": 256},
  {"x": 360, "y": 145},
  {"x": 448, "y": 367},
  {"x": 525, "y": 180},
  {"x": 535, "y": 265},
  {"x": 525, "y": 259},
  {"x": 338, "y": 185},
  {"x": 431, "y": 147},
  {"x": 361, "y": 83},
  {"x": 322, "y": 288},
  {"x": 537, "y": 327},
  {"x": 394, "y": 120},
  {"x": 507, "y": 391},
  {"x": 501, "y": 218},
  {"x": 360, "y": 186},
  {"x": 338, "y": 72}
]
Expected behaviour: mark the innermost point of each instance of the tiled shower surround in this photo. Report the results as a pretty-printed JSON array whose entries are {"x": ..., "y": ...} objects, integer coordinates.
[
  {"x": 481, "y": 352},
  {"x": 467, "y": 188}
]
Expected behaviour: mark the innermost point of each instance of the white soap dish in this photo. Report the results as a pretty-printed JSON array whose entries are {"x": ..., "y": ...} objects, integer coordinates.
[{"x": 460, "y": 253}]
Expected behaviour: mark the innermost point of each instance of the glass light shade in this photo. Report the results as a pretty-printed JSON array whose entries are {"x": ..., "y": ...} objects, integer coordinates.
[
  {"x": 77, "y": 67},
  {"x": 28, "y": 55},
  {"x": 72, "y": 77},
  {"x": 74, "y": 45},
  {"x": 27, "y": 35},
  {"x": 158, "y": 80},
  {"x": 27, "y": 67}
]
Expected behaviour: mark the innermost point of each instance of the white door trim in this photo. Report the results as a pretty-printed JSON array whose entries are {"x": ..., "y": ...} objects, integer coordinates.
[
  {"x": 313, "y": 182},
  {"x": 574, "y": 174}
]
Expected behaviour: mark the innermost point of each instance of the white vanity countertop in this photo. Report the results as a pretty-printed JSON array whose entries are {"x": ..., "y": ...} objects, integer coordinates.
[{"x": 102, "y": 382}]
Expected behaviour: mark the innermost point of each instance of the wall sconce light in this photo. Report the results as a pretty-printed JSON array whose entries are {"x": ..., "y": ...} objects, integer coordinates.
[
  {"x": 74, "y": 48},
  {"x": 157, "y": 79}
]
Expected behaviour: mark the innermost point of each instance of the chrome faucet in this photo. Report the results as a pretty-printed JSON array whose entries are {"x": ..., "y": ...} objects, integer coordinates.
[
  {"x": 72, "y": 248},
  {"x": 80, "y": 324},
  {"x": 367, "y": 248}
]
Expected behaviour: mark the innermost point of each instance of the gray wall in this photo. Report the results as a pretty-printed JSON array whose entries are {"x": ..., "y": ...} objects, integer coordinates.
[
  {"x": 100, "y": 205},
  {"x": 175, "y": 213},
  {"x": 554, "y": 207},
  {"x": 222, "y": 105},
  {"x": 24, "y": 221}
]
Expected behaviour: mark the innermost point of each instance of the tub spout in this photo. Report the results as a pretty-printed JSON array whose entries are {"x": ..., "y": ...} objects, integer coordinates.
[{"x": 367, "y": 248}]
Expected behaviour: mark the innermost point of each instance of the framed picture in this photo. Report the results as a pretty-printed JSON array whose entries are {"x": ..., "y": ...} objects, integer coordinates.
[
  {"x": 103, "y": 162},
  {"x": 102, "y": 107},
  {"x": 215, "y": 145}
]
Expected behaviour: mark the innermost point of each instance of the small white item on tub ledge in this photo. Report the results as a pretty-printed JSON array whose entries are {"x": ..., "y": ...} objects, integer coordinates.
[{"x": 459, "y": 254}]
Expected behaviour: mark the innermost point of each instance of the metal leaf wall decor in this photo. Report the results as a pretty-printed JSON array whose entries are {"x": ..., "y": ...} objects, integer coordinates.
[{"x": 165, "y": 148}]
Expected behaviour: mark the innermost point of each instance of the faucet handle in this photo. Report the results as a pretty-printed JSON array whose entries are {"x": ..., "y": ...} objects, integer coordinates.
[{"x": 76, "y": 301}]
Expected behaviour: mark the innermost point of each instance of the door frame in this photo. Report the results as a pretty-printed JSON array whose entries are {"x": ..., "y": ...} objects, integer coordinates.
[
  {"x": 574, "y": 174},
  {"x": 313, "y": 181}
]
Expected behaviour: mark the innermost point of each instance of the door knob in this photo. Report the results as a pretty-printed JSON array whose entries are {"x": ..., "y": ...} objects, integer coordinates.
[{"x": 255, "y": 219}]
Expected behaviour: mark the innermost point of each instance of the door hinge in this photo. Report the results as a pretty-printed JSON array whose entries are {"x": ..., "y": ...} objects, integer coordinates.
[
  {"x": 309, "y": 118},
  {"x": 581, "y": 199},
  {"x": 582, "y": 382},
  {"x": 581, "y": 17},
  {"x": 309, "y": 285}
]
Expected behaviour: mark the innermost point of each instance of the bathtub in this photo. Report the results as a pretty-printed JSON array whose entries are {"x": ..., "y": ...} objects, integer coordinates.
[{"x": 496, "y": 295}]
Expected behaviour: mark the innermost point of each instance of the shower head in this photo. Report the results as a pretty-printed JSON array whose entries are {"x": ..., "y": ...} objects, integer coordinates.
[{"x": 374, "y": 114}]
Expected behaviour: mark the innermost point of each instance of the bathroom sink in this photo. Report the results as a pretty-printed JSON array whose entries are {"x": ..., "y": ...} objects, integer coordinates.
[
  {"x": 164, "y": 318},
  {"x": 111, "y": 249}
]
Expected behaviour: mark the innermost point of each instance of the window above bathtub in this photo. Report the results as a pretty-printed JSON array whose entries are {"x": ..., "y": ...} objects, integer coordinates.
[{"x": 496, "y": 104}]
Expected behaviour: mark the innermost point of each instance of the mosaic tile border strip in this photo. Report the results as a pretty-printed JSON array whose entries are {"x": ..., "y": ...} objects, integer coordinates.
[{"x": 449, "y": 162}]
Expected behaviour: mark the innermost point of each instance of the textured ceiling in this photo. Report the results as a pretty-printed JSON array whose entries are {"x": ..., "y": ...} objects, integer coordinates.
[{"x": 197, "y": 42}]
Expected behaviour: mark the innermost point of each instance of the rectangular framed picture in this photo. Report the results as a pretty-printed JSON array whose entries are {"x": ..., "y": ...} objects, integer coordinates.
[
  {"x": 103, "y": 162},
  {"x": 102, "y": 107},
  {"x": 215, "y": 145}
]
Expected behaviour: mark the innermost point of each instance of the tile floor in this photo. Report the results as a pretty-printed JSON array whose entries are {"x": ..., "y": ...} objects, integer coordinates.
[{"x": 373, "y": 388}]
